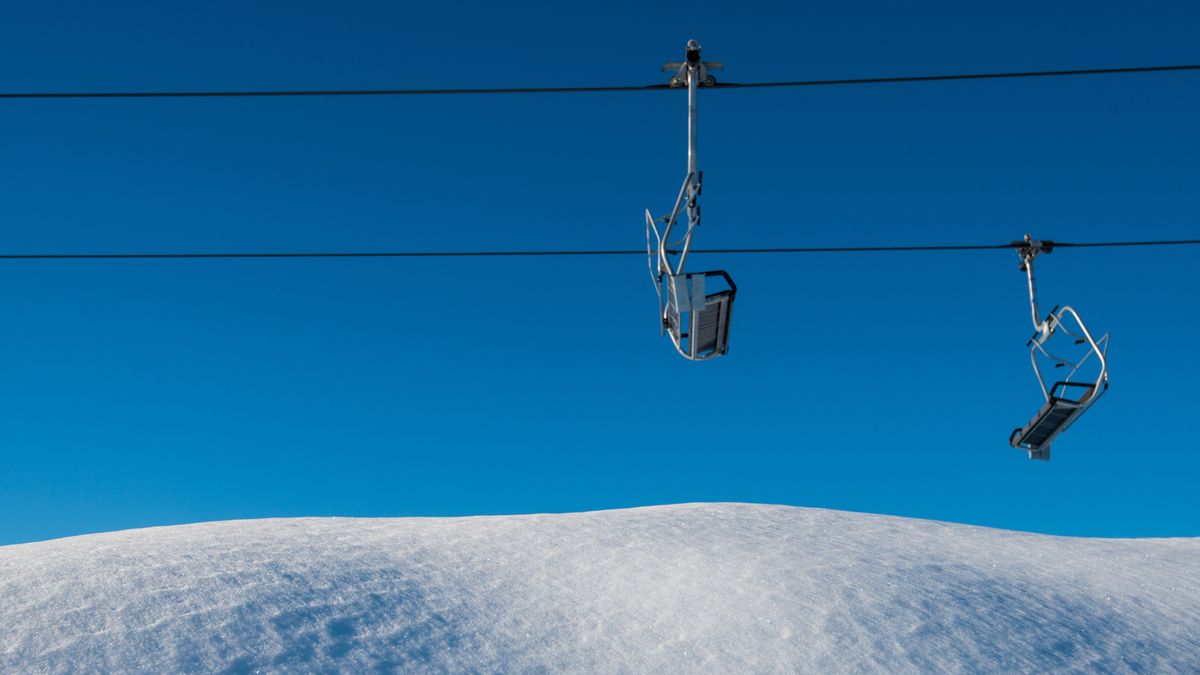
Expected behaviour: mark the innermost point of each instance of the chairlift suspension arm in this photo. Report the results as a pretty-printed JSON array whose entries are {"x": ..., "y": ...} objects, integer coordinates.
[
  {"x": 693, "y": 74},
  {"x": 691, "y": 70},
  {"x": 1028, "y": 251},
  {"x": 1033, "y": 304}
]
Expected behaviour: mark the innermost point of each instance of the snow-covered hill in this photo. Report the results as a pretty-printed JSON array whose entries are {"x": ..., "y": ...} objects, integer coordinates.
[{"x": 692, "y": 588}]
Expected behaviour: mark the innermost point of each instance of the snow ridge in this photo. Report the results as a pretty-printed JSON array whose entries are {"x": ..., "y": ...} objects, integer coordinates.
[{"x": 686, "y": 588}]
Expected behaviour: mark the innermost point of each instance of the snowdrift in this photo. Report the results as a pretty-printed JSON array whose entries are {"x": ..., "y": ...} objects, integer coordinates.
[{"x": 690, "y": 588}]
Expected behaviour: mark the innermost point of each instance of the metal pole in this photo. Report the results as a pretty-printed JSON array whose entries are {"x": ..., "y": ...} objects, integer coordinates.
[
  {"x": 1029, "y": 252},
  {"x": 693, "y": 67},
  {"x": 693, "y": 82},
  {"x": 1037, "y": 321}
]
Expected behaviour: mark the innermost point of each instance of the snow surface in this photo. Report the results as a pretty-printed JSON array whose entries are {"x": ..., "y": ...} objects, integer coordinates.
[{"x": 689, "y": 588}]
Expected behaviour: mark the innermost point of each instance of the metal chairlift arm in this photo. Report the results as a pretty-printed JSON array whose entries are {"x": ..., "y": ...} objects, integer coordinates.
[{"x": 1029, "y": 250}]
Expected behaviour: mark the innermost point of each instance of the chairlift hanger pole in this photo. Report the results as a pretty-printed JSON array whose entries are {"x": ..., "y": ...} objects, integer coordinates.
[
  {"x": 1029, "y": 250},
  {"x": 691, "y": 73},
  {"x": 693, "y": 77},
  {"x": 696, "y": 320}
]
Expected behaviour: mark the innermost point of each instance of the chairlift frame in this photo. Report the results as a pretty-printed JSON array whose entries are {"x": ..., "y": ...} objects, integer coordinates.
[
  {"x": 696, "y": 320},
  {"x": 1060, "y": 409}
]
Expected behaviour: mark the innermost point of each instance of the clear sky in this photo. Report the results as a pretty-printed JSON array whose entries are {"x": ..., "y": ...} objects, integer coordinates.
[{"x": 148, "y": 393}]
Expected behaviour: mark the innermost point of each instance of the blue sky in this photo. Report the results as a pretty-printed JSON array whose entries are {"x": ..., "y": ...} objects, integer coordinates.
[{"x": 149, "y": 393}]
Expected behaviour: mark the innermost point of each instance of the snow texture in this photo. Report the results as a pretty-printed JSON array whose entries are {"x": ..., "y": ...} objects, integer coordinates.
[{"x": 693, "y": 588}]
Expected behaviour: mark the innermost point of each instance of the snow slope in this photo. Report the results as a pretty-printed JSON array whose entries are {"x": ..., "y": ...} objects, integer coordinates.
[{"x": 690, "y": 588}]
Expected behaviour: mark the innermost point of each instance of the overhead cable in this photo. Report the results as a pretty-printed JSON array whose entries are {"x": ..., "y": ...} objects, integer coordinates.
[
  {"x": 329, "y": 92},
  {"x": 555, "y": 253},
  {"x": 950, "y": 78},
  {"x": 587, "y": 89}
]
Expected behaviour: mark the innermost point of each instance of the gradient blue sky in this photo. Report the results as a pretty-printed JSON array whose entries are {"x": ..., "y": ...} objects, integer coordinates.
[{"x": 148, "y": 393}]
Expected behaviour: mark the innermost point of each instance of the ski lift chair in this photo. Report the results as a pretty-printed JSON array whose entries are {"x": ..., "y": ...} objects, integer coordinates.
[
  {"x": 1066, "y": 400},
  {"x": 696, "y": 317}
]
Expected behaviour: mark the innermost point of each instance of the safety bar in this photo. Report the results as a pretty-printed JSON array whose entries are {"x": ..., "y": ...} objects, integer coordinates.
[{"x": 1081, "y": 385}]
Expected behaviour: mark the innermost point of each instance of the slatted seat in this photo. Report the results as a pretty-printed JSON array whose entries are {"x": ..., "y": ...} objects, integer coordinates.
[
  {"x": 711, "y": 325},
  {"x": 1053, "y": 417},
  {"x": 698, "y": 321}
]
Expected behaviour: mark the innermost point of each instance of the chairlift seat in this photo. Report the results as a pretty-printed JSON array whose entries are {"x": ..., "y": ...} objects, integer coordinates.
[
  {"x": 711, "y": 324},
  {"x": 1051, "y": 419},
  {"x": 704, "y": 332}
]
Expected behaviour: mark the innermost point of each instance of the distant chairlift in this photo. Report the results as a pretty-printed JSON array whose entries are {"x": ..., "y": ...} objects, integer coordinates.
[
  {"x": 696, "y": 316},
  {"x": 1066, "y": 400}
]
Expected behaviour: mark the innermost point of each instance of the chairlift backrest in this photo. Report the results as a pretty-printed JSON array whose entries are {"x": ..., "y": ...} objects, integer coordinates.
[{"x": 697, "y": 321}]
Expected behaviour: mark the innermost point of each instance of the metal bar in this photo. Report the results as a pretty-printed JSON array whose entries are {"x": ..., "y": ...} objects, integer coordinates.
[
  {"x": 1103, "y": 377},
  {"x": 666, "y": 235},
  {"x": 693, "y": 83},
  {"x": 1037, "y": 370},
  {"x": 1038, "y": 324}
]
